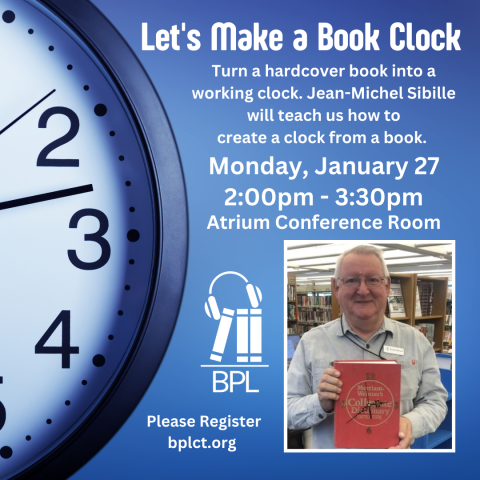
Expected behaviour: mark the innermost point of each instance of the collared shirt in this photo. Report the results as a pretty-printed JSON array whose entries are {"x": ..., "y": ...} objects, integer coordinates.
[{"x": 423, "y": 397}]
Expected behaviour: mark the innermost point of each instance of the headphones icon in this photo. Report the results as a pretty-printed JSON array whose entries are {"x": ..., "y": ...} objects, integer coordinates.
[{"x": 211, "y": 307}]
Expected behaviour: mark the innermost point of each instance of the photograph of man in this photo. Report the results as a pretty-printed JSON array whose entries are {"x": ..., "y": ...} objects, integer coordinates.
[{"x": 362, "y": 284}]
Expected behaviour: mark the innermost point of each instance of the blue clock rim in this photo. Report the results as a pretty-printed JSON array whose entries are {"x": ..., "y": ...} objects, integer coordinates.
[{"x": 170, "y": 245}]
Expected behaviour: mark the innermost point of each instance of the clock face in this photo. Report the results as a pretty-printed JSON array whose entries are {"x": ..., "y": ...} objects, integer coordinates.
[
  {"x": 369, "y": 403},
  {"x": 78, "y": 233}
]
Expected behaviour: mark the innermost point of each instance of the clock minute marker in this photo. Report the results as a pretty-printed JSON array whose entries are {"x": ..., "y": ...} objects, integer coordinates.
[
  {"x": 26, "y": 111},
  {"x": 44, "y": 197}
]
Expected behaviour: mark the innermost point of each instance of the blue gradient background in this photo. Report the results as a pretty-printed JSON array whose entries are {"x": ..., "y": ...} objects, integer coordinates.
[{"x": 182, "y": 388}]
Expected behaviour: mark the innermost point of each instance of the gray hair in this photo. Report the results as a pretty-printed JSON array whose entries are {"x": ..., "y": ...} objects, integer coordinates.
[{"x": 362, "y": 250}]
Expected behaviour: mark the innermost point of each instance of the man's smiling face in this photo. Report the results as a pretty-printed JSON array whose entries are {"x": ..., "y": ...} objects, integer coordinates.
[{"x": 364, "y": 302}]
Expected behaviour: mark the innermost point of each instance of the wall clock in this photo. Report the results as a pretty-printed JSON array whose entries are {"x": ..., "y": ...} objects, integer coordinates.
[{"x": 93, "y": 235}]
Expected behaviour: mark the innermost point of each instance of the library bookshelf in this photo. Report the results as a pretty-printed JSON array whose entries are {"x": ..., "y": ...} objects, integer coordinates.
[
  {"x": 292, "y": 303},
  {"x": 437, "y": 309},
  {"x": 314, "y": 308}
]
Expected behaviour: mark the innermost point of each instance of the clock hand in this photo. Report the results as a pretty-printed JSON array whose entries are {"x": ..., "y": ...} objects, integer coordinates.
[
  {"x": 19, "y": 202},
  {"x": 368, "y": 400},
  {"x": 360, "y": 411},
  {"x": 26, "y": 111}
]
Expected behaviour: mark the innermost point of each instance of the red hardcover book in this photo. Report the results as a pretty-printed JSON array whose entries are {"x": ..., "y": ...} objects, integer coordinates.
[{"x": 367, "y": 414}]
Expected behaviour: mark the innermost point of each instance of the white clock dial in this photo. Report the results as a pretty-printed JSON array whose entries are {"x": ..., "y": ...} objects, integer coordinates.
[{"x": 77, "y": 233}]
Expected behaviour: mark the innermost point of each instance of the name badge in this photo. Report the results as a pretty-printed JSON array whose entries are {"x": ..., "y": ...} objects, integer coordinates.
[{"x": 393, "y": 350}]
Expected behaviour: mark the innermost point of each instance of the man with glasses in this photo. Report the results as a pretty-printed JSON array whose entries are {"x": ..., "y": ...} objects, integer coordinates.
[{"x": 362, "y": 285}]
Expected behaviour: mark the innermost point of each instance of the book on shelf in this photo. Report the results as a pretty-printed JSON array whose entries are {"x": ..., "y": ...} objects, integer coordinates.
[
  {"x": 291, "y": 293},
  {"x": 427, "y": 329},
  {"x": 395, "y": 302},
  {"x": 314, "y": 316},
  {"x": 425, "y": 293},
  {"x": 303, "y": 328},
  {"x": 291, "y": 312},
  {"x": 306, "y": 300},
  {"x": 418, "y": 306},
  {"x": 367, "y": 414},
  {"x": 449, "y": 309}
]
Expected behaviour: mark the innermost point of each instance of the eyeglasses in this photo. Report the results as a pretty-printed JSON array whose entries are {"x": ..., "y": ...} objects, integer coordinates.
[{"x": 354, "y": 282}]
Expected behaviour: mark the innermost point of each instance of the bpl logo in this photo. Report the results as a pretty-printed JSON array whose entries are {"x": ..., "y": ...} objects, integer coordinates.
[{"x": 249, "y": 336}]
